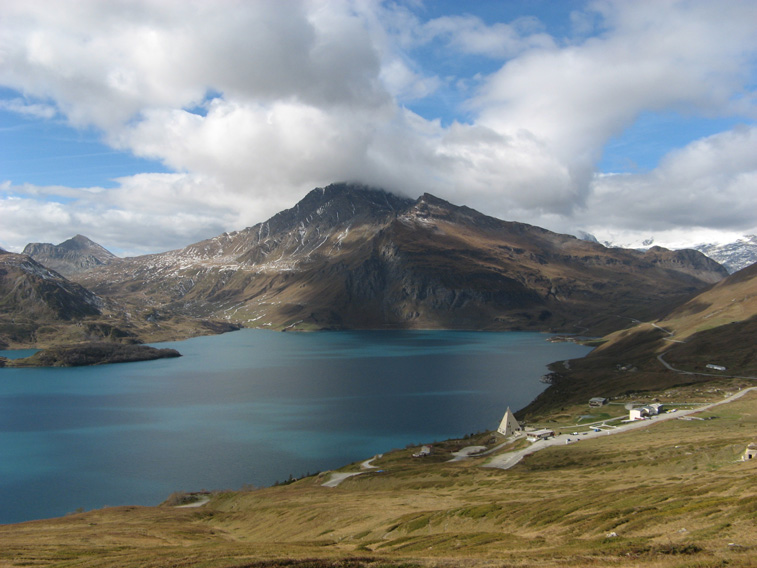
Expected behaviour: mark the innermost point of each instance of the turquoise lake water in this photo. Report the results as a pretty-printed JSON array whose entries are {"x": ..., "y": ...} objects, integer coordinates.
[{"x": 250, "y": 408}]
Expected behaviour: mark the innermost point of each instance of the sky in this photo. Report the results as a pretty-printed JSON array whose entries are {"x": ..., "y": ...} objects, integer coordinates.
[{"x": 148, "y": 125}]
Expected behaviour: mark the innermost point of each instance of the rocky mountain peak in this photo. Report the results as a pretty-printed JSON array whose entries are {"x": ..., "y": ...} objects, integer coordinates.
[
  {"x": 80, "y": 242},
  {"x": 338, "y": 204},
  {"x": 73, "y": 256},
  {"x": 429, "y": 207},
  {"x": 319, "y": 222}
]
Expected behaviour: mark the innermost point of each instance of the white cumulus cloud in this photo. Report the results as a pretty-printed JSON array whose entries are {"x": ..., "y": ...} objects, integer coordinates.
[{"x": 252, "y": 104}]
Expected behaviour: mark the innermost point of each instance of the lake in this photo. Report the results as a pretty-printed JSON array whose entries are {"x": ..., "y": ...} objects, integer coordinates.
[{"x": 250, "y": 407}]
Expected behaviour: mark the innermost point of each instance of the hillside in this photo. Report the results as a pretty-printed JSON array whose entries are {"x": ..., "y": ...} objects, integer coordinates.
[
  {"x": 31, "y": 295},
  {"x": 355, "y": 257},
  {"x": 39, "y": 307},
  {"x": 717, "y": 327}
]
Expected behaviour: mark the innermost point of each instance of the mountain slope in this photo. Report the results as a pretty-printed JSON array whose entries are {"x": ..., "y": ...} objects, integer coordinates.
[
  {"x": 32, "y": 296},
  {"x": 716, "y": 327},
  {"x": 73, "y": 256},
  {"x": 355, "y": 257},
  {"x": 31, "y": 291}
]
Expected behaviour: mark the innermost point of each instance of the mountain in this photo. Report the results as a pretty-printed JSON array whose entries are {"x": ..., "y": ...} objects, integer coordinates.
[
  {"x": 734, "y": 256},
  {"x": 73, "y": 256},
  {"x": 350, "y": 256},
  {"x": 32, "y": 295},
  {"x": 29, "y": 290}
]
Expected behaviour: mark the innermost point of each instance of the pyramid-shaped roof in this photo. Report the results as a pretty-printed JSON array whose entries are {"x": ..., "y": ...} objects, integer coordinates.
[{"x": 509, "y": 424}]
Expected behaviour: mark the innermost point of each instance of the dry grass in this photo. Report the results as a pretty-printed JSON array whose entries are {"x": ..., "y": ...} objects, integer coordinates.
[{"x": 672, "y": 494}]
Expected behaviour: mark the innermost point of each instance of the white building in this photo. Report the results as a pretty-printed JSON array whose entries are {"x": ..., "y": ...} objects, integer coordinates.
[
  {"x": 509, "y": 425},
  {"x": 540, "y": 435},
  {"x": 638, "y": 413},
  {"x": 750, "y": 453},
  {"x": 424, "y": 451},
  {"x": 643, "y": 412}
]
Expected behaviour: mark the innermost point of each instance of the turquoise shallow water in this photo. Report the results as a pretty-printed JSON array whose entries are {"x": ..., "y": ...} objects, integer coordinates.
[{"x": 250, "y": 407}]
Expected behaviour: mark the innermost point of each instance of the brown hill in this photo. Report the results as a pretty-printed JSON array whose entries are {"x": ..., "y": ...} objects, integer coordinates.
[
  {"x": 354, "y": 257},
  {"x": 40, "y": 307},
  {"x": 31, "y": 295}
]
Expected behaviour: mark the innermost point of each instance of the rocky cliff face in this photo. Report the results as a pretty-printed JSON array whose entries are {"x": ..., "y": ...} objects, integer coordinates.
[
  {"x": 73, "y": 256},
  {"x": 356, "y": 257}
]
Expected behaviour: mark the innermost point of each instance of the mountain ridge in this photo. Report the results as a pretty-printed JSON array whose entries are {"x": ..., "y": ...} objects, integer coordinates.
[
  {"x": 733, "y": 256},
  {"x": 349, "y": 256}
]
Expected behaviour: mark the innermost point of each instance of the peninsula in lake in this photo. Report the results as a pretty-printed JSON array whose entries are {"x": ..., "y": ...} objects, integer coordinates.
[{"x": 98, "y": 353}]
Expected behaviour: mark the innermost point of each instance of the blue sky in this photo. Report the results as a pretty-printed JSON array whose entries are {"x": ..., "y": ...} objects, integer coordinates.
[
  {"x": 43, "y": 151},
  {"x": 149, "y": 125}
]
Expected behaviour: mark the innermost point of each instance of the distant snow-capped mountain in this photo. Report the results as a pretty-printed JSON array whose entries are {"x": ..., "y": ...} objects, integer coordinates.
[{"x": 733, "y": 256}]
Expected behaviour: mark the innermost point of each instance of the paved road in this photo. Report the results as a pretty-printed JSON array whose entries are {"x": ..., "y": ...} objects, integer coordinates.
[
  {"x": 467, "y": 452},
  {"x": 335, "y": 478}
]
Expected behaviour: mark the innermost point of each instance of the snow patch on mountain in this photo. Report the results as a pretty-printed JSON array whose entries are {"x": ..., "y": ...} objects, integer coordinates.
[{"x": 734, "y": 256}]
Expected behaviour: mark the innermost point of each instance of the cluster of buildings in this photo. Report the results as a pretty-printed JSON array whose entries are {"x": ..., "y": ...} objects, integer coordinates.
[{"x": 509, "y": 426}]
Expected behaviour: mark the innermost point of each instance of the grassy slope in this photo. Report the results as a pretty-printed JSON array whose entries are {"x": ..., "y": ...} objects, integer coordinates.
[{"x": 673, "y": 493}]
